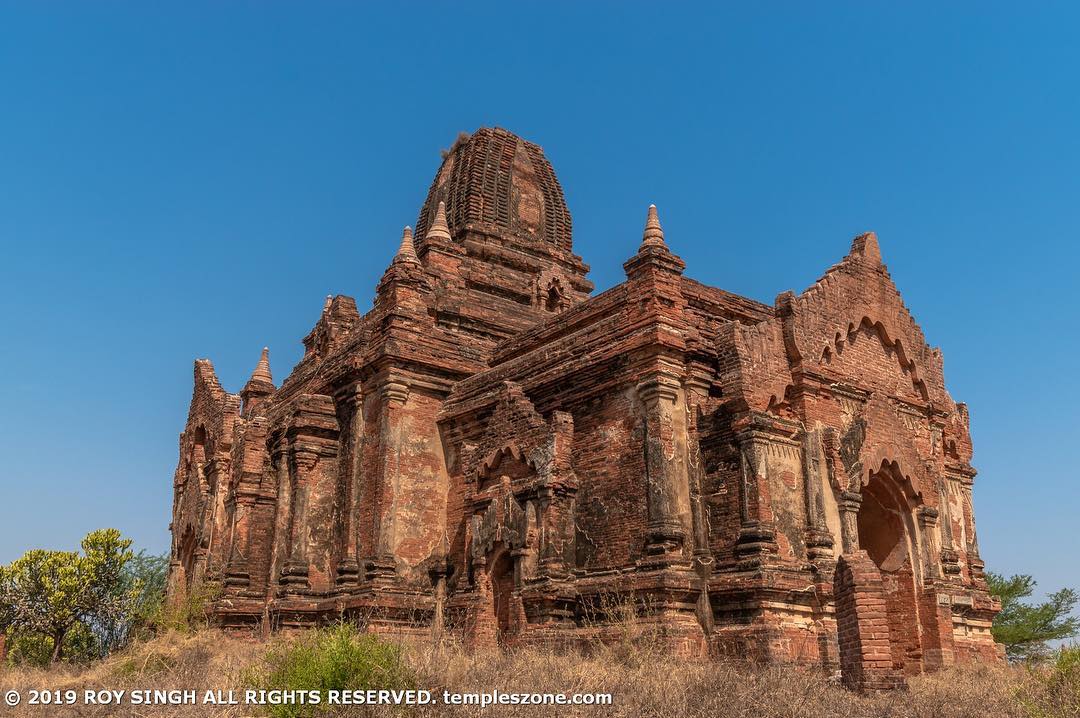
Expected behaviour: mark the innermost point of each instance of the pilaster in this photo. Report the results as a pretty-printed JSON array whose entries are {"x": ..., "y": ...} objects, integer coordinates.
[
  {"x": 756, "y": 543},
  {"x": 348, "y": 569},
  {"x": 294, "y": 572},
  {"x": 393, "y": 395},
  {"x": 819, "y": 541},
  {"x": 237, "y": 575},
  {"x": 668, "y": 491},
  {"x": 849, "y": 504}
]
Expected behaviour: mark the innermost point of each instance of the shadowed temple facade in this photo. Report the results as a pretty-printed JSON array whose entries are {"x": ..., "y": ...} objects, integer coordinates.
[{"x": 493, "y": 450}]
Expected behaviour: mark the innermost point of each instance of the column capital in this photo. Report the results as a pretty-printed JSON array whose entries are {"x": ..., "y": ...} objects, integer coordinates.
[
  {"x": 350, "y": 393},
  {"x": 928, "y": 516},
  {"x": 305, "y": 458},
  {"x": 661, "y": 387},
  {"x": 850, "y": 501},
  {"x": 394, "y": 391},
  {"x": 698, "y": 382}
]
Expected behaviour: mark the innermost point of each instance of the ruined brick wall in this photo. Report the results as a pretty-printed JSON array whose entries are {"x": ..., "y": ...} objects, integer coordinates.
[
  {"x": 202, "y": 479},
  {"x": 862, "y": 621}
]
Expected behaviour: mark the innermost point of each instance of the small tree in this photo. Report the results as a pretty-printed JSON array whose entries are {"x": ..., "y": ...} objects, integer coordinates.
[
  {"x": 1025, "y": 629},
  {"x": 49, "y": 593},
  {"x": 142, "y": 584}
]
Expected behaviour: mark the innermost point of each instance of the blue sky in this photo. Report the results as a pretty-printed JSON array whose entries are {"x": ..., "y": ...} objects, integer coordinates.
[{"x": 192, "y": 179}]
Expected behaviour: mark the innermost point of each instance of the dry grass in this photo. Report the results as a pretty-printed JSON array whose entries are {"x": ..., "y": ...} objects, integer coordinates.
[
  {"x": 176, "y": 660},
  {"x": 643, "y": 682},
  {"x": 650, "y": 684}
]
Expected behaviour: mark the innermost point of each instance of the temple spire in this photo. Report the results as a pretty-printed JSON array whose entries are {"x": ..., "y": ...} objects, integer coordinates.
[
  {"x": 405, "y": 271},
  {"x": 653, "y": 253},
  {"x": 262, "y": 369},
  {"x": 259, "y": 386},
  {"x": 654, "y": 233},
  {"x": 439, "y": 229},
  {"x": 406, "y": 252}
]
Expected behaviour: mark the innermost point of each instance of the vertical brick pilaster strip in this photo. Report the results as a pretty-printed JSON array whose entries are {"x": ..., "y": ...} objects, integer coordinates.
[
  {"x": 349, "y": 565},
  {"x": 393, "y": 396},
  {"x": 236, "y": 575},
  {"x": 976, "y": 567},
  {"x": 757, "y": 532},
  {"x": 696, "y": 392},
  {"x": 295, "y": 570},
  {"x": 849, "y": 504},
  {"x": 666, "y": 532},
  {"x": 950, "y": 559},
  {"x": 280, "y": 543},
  {"x": 218, "y": 549},
  {"x": 819, "y": 541}
]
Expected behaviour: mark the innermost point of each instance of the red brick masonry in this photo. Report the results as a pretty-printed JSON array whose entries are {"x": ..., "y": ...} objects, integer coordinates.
[{"x": 492, "y": 450}]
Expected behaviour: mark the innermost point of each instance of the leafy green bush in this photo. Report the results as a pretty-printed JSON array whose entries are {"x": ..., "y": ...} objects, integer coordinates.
[
  {"x": 336, "y": 658},
  {"x": 26, "y": 648},
  {"x": 1055, "y": 690}
]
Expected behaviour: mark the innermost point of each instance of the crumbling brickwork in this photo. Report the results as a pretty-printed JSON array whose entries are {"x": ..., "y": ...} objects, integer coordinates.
[
  {"x": 493, "y": 450},
  {"x": 863, "y": 625}
]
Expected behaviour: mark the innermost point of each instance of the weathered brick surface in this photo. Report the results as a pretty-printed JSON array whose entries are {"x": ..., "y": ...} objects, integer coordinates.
[
  {"x": 493, "y": 451},
  {"x": 866, "y": 629}
]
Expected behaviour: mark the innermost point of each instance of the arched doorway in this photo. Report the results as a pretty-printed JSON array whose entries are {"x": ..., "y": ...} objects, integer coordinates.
[
  {"x": 501, "y": 578},
  {"x": 887, "y": 534}
]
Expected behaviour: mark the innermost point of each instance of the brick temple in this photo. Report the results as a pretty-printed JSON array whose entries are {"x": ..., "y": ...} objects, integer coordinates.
[{"x": 493, "y": 450}]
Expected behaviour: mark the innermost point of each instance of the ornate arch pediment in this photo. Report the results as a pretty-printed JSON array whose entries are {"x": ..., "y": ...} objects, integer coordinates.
[
  {"x": 858, "y": 295},
  {"x": 868, "y": 329},
  {"x": 518, "y": 443},
  {"x": 878, "y": 439},
  {"x": 854, "y": 297}
]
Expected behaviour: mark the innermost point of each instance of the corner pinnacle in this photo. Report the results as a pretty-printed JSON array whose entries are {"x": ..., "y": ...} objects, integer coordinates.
[
  {"x": 654, "y": 233},
  {"x": 262, "y": 369},
  {"x": 406, "y": 252},
  {"x": 439, "y": 229}
]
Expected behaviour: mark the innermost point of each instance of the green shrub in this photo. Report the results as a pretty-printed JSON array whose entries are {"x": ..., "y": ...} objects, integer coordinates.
[
  {"x": 33, "y": 649},
  {"x": 1054, "y": 690},
  {"x": 336, "y": 658}
]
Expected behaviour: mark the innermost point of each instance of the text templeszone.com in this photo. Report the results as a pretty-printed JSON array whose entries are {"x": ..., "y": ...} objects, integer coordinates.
[{"x": 304, "y": 697}]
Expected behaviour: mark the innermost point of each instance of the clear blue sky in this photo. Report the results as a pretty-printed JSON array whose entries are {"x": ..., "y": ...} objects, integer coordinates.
[{"x": 192, "y": 179}]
